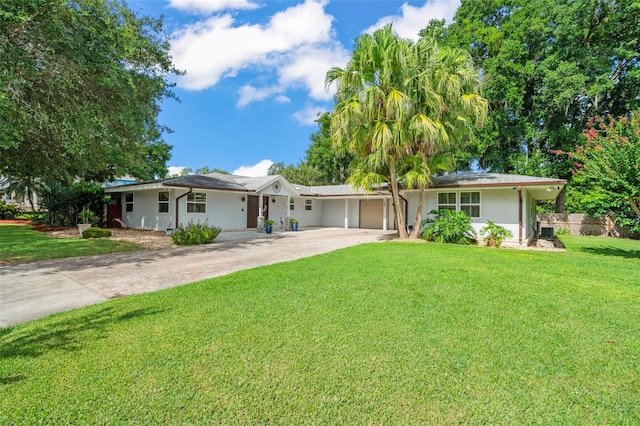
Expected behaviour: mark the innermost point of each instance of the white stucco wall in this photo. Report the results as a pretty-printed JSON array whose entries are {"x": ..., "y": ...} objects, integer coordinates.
[
  {"x": 333, "y": 212},
  {"x": 498, "y": 205},
  {"x": 145, "y": 213},
  {"x": 305, "y": 217},
  {"x": 225, "y": 210}
]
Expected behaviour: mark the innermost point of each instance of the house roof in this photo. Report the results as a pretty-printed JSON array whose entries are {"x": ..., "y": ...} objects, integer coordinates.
[
  {"x": 223, "y": 182},
  {"x": 212, "y": 181},
  {"x": 492, "y": 179},
  {"x": 334, "y": 191},
  {"x": 219, "y": 182}
]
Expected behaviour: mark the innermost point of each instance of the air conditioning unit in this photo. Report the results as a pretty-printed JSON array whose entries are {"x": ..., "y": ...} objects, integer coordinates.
[{"x": 546, "y": 232}]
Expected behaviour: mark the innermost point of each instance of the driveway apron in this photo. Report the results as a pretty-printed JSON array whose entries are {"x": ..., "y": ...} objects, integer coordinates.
[{"x": 38, "y": 289}]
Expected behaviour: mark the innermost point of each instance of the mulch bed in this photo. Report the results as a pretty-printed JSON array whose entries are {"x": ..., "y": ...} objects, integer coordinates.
[{"x": 15, "y": 222}]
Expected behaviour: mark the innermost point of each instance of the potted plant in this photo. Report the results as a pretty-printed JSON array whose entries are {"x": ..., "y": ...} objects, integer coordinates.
[
  {"x": 495, "y": 234},
  {"x": 86, "y": 217},
  {"x": 294, "y": 224},
  {"x": 268, "y": 225}
]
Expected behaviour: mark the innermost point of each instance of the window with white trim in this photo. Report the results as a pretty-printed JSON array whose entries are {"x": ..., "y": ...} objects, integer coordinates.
[
  {"x": 308, "y": 204},
  {"x": 470, "y": 203},
  {"x": 447, "y": 201},
  {"x": 128, "y": 202},
  {"x": 291, "y": 204},
  {"x": 163, "y": 202},
  {"x": 197, "y": 202}
]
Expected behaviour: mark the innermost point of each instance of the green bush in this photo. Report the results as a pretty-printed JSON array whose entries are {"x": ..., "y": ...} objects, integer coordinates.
[
  {"x": 496, "y": 234},
  {"x": 195, "y": 233},
  {"x": 9, "y": 210},
  {"x": 448, "y": 226},
  {"x": 96, "y": 233}
]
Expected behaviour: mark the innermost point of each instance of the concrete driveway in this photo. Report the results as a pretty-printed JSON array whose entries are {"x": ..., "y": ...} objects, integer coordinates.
[{"x": 35, "y": 290}]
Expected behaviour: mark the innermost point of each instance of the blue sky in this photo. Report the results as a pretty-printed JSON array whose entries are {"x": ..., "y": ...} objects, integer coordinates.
[{"x": 255, "y": 71}]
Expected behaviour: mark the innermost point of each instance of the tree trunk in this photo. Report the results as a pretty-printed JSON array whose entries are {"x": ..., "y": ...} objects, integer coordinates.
[
  {"x": 416, "y": 223},
  {"x": 397, "y": 206},
  {"x": 560, "y": 200}
]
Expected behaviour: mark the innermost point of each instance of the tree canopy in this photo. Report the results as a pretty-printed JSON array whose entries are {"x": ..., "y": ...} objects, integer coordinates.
[
  {"x": 80, "y": 87},
  {"x": 607, "y": 167},
  {"x": 547, "y": 67},
  {"x": 399, "y": 105}
]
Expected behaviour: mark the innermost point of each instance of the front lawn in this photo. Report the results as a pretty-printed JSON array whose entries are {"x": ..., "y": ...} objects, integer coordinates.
[
  {"x": 388, "y": 333},
  {"x": 19, "y": 243}
]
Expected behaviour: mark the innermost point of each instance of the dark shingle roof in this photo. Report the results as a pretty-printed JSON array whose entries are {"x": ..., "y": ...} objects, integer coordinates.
[{"x": 491, "y": 179}]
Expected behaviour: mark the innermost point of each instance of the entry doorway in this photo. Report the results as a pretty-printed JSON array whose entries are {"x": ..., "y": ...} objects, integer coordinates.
[
  {"x": 114, "y": 211},
  {"x": 252, "y": 210}
]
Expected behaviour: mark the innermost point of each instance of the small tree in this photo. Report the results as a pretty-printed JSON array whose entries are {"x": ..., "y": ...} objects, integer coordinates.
[{"x": 610, "y": 158}]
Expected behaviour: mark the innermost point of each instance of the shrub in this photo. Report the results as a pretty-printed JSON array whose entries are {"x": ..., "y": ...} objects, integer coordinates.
[
  {"x": 195, "y": 233},
  {"x": 96, "y": 233},
  {"x": 496, "y": 234},
  {"x": 9, "y": 210},
  {"x": 448, "y": 226}
]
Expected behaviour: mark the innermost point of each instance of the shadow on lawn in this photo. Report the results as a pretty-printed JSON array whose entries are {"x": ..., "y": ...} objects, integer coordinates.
[
  {"x": 68, "y": 335},
  {"x": 612, "y": 251}
]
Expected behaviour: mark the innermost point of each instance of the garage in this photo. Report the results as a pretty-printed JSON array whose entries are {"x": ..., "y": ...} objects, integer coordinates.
[{"x": 371, "y": 216}]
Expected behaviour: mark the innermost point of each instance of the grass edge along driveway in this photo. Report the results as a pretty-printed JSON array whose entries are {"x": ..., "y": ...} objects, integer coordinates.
[
  {"x": 380, "y": 333},
  {"x": 20, "y": 244}
]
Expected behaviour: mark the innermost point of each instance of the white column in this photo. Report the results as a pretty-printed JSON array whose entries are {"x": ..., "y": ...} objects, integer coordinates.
[
  {"x": 260, "y": 216},
  {"x": 287, "y": 220},
  {"x": 346, "y": 213},
  {"x": 384, "y": 214}
]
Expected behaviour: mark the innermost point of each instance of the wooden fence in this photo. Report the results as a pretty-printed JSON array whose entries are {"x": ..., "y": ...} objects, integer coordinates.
[{"x": 579, "y": 224}]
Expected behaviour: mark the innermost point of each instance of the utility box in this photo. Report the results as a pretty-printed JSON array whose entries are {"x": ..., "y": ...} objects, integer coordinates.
[{"x": 546, "y": 232}]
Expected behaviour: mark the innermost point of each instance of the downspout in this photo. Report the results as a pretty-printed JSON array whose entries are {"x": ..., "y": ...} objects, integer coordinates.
[
  {"x": 177, "y": 209},
  {"x": 520, "y": 214}
]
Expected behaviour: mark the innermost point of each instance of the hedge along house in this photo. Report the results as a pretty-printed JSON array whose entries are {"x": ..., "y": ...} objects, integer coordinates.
[{"x": 237, "y": 202}]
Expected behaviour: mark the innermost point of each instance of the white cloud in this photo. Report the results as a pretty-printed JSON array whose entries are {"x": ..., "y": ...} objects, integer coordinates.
[
  {"x": 250, "y": 94},
  {"x": 259, "y": 169},
  {"x": 175, "y": 170},
  {"x": 412, "y": 19},
  {"x": 309, "y": 115},
  {"x": 215, "y": 47},
  {"x": 282, "y": 99},
  {"x": 208, "y": 6},
  {"x": 308, "y": 66}
]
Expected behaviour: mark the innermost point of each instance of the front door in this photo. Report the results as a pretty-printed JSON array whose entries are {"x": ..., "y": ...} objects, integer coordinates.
[
  {"x": 252, "y": 210},
  {"x": 114, "y": 211}
]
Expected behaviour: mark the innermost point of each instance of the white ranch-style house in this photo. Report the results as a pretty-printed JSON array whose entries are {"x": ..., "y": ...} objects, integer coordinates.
[{"x": 237, "y": 202}]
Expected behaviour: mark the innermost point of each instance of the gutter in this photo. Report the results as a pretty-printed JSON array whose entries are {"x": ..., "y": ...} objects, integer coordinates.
[{"x": 178, "y": 199}]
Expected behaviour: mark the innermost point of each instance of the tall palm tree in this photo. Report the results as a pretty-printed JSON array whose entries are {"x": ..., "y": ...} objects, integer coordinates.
[{"x": 398, "y": 105}]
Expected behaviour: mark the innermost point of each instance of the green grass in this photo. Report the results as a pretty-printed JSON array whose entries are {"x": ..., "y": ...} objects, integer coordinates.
[
  {"x": 388, "y": 333},
  {"x": 19, "y": 243}
]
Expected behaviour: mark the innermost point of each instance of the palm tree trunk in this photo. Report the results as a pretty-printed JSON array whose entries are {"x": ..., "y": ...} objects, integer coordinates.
[
  {"x": 397, "y": 207},
  {"x": 416, "y": 223}
]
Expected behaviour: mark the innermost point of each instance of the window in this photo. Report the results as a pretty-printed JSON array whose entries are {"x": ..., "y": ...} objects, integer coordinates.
[
  {"x": 446, "y": 201},
  {"x": 128, "y": 202},
  {"x": 163, "y": 202},
  {"x": 470, "y": 203},
  {"x": 291, "y": 204},
  {"x": 307, "y": 204},
  {"x": 197, "y": 202}
]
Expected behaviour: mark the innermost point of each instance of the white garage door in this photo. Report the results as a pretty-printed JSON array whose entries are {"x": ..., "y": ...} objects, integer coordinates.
[{"x": 371, "y": 214}]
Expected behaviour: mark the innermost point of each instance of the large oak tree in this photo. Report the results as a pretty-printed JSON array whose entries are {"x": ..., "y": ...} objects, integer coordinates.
[
  {"x": 81, "y": 83},
  {"x": 548, "y": 66}
]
